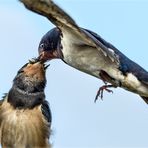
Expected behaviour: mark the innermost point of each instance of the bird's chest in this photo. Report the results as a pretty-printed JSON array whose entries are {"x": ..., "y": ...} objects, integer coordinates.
[
  {"x": 87, "y": 58},
  {"x": 84, "y": 58},
  {"x": 22, "y": 127}
]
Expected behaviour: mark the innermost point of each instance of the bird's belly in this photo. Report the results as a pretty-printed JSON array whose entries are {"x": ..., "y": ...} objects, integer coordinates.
[
  {"x": 88, "y": 60},
  {"x": 22, "y": 128}
]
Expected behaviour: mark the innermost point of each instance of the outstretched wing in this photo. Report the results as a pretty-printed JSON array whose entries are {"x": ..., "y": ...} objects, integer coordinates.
[
  {"x": 126, "y": 65},
  {"x": 66, "y": 24}
]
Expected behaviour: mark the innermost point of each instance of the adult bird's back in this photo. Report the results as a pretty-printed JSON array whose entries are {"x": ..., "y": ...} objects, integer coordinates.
[{"x": 86, "y": 51}]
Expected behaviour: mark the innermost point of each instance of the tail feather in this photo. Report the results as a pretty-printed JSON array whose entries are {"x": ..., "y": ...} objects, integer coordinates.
[{"x": 145, "y": 99}]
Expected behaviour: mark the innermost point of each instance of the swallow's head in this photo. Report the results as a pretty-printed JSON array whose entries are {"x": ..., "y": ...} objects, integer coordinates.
[
  {"x": 50, "y": 45},
  {"x": 28, "y": 85},
  {"x": 31, "y": 77}
]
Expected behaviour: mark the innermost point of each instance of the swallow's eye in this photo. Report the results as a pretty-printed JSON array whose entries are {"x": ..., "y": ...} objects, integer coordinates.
[{"x": 42, "y": 45}]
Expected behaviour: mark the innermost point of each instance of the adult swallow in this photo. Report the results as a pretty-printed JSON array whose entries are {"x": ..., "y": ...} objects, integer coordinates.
[
  {"x": 87, "y": 51},
  {"x": 25, "y": 116}
]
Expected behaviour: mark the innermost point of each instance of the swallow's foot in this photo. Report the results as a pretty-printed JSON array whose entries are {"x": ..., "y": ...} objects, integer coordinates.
[{"x": 101, "y": 90}]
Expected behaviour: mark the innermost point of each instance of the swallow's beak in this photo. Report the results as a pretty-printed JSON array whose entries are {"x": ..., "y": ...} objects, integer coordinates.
[
  {"x": 49, "y": 55},
  {"x": 46, "y": 55},
  {"x": 37, "y": 61}
]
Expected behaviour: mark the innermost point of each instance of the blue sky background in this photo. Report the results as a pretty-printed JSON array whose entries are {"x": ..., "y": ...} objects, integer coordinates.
[{"x": 121, "y": 119}]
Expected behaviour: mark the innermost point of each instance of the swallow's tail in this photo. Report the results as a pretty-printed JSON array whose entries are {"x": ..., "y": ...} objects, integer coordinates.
[{"x": 145, "y": 99}]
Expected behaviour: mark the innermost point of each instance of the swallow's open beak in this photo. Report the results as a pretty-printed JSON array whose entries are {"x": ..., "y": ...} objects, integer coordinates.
[
  {"x": 49, "y": 55},
  {"x": 39, "y": 61},
  {"x": 46, "y": 55}
]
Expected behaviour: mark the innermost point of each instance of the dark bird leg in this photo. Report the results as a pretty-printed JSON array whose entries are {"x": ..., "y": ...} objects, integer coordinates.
[
  {"x": 101, "y": 90},
  {"x": 106, "y": 78}
]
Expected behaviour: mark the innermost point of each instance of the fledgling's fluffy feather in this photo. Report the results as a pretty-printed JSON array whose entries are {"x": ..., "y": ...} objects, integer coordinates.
[{"x": 25, "y": 117}]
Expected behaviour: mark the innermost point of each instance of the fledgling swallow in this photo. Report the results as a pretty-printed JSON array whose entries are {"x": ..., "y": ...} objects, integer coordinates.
[
  {"x": 87, "y": 51},
  {"x": 25, "y": 116}
]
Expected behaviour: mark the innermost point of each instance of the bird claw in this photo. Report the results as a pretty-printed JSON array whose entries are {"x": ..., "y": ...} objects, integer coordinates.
[{"x": 101, "y": 90}]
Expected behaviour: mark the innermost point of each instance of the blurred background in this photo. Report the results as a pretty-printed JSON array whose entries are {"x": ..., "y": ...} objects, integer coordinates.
[{"x": 121, "y": 119}]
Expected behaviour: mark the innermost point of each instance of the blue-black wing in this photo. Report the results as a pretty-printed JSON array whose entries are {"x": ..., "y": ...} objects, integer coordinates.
[{"x": 126, "y": 65}]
